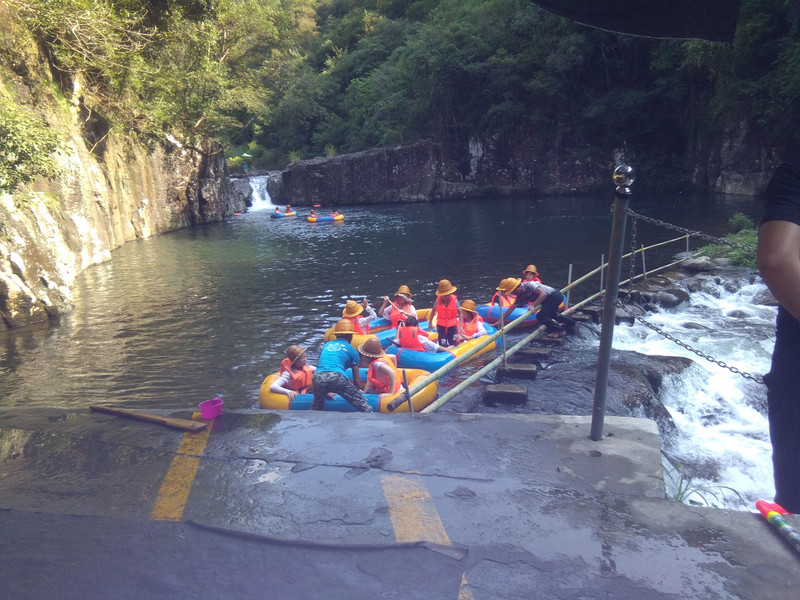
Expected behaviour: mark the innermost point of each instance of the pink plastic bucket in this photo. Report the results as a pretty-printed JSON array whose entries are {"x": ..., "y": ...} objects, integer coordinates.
[{"x": 211, "y": 408}]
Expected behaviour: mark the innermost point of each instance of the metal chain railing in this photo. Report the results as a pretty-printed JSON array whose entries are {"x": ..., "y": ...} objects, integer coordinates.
[
  {"x": 621, "y": 303},
  {"x": 704, "y": 236}
]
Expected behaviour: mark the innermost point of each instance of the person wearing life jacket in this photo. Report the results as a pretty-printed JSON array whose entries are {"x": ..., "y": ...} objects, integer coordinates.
[
  {"x": 531, "y": 274},
  {"x": 353, "y": 309},
  {"x": 382, "y": 376},
  {"x": 501, "y": 297},
  {"x": 411, "y": 337},
  {"x": 472, "y": 323},
  {"x": 295, "y": 374},
  {"x": 312, "y": 213},
  {"x": 288, "y": 209},
  {"x": 538, "y": 294},
  {"x": 335, "y": 358},
  {"x": 400, "y": 309},
  {"x": 448, "y": 316}
]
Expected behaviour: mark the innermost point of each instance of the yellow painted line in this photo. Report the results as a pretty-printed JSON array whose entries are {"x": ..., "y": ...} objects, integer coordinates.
[
  {"x": 177, "y": 484},
  {"x": 413, "y": 515},
  {"x": 415, "y": 518}
]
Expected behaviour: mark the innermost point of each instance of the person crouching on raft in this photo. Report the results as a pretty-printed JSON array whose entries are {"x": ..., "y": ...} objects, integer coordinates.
[
  {"x": 472, "y": 322},
  {"x": 382, "y": 377},
  {"x": 531, "y": 274},
  {"x": 538, "y": 293},
  {"x": 335, "y": 357},
  {"x": 412, "y": 337},
  {"x": 400, "y": 309},
  {"x": 353, "y": 309},
  {"x": 295, "y": 374},
  {"x": 448, "y": 316}
]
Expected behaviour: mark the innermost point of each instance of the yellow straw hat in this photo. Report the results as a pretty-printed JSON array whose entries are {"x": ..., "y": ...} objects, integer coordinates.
[
  {"x": 343, "y": 327},
  {"x": 445, "y": 287},
  {"x": 509, "y": 285},
  {"x": 372, "y": 348},
  {"x": 468, "y": 305},
  {"x": 405, "y": 292},
  {"x": 352, "y": 308},
  {"x": 294, "y": 352},
  {"x": 530, "y": 269}
]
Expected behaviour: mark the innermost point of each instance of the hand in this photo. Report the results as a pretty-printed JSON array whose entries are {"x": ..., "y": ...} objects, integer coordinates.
[{"x": 292, "y": 395}]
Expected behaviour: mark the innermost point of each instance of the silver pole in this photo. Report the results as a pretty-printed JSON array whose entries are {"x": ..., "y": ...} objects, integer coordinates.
[
  {"x": 602, "y": 268},
  {"x": 569, "y": 281},
  {"x": 623, "y": 178},
  {"x": 644, "y": 266}
]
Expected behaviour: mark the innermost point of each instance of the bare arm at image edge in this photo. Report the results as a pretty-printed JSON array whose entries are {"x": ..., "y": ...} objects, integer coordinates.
[{"x": 779, "y": 262}]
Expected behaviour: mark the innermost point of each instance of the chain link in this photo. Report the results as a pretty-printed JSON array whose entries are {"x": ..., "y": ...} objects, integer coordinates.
[{"x": 704, "y": 236}]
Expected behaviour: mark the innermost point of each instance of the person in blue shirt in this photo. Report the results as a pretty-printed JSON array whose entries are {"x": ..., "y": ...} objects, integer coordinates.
[{"x": 335, "y": 358}]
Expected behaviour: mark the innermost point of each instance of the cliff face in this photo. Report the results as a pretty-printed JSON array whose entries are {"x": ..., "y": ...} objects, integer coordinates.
[
  {"x": 736, "y": 162},
  {"x": 118, "y": 192}
]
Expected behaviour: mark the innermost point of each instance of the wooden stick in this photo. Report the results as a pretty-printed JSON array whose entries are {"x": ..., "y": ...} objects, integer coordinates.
[{"x": 184, "y": 424}]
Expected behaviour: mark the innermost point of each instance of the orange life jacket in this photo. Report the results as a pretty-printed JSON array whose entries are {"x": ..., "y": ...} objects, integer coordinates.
[
  {"x": 357, "y": 325},
  {"x": 380, "y": 381},
  {"x": 471, "y": 327},
  {"x": 301, "y": 378},
  {"x": 447, "y": 314},
  {"x": 409, "y": 338},
  {"x": 395, "y": 316},
  {"x": 505, "y": 301}
]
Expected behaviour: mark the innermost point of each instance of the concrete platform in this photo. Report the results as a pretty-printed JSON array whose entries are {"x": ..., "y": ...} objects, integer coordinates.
[{"x": 328, "y": 505}]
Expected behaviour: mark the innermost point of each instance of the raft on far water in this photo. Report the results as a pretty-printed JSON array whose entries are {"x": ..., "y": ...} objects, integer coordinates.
[
  {"x": 420, "y": 400},
  {"x": 325, "y": 218},
  {"x": 281, "y": 215}
]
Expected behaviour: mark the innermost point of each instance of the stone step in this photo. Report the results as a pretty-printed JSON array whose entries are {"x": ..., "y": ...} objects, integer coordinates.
[
  {"x": 521, "y": 370},
  {"x": 534, "y": 354},
  {"x": 496, "y": 393}
]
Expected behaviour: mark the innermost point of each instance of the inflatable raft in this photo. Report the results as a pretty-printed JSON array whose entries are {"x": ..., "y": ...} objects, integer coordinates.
[
  {"x": 432, "y": 361},
  {"x": 379, "y": 326},
  {"x": 420, "y": 400},
  {"x": 327, "y": 218},
  {"x": 491, "y": 314},
  {"x": 282, "y": 215}
]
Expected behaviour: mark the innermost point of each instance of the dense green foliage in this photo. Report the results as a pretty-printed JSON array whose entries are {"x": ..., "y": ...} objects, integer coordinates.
[
  {"x": 745, "y": 235},
  {"x": 27, "y": 145},
  {"x": 287, "y": 79}
]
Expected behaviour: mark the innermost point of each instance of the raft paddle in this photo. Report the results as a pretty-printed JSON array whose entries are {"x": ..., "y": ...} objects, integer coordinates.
[
  {"x": 184, "y": 424},
  {"x": 773, "y": 513}
]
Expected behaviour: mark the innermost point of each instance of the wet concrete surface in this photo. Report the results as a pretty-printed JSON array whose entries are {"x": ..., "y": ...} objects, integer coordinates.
[{"x": 309, "y": 505}]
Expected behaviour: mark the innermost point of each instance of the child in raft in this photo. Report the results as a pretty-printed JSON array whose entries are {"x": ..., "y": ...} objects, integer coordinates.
[
  {"x": 399, "y": 310},
  {"x": 412, "y": 337},
  {"x": 312, "y": 213},
  {"x": 531, "y": 274},
  {"x": 353, "y": 309},
  {"x": 472, "y": 322},
  {"x": 448, "y": 316},
  {"x": 382, "y": 376},
  {"x": 295, "y": 374},
  {"x": 288, "y": 209}
]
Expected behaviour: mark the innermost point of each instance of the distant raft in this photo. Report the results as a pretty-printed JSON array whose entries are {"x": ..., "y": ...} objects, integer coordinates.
[
  {"x": 326, "y": 218},
  {"x": 432, "y": 361},
  {"x": 420, "y": 400},
  {"x": 281, "y": 215}
]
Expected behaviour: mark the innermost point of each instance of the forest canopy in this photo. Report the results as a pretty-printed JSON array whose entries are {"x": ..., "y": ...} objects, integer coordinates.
[{"x": 281, "y": 80}]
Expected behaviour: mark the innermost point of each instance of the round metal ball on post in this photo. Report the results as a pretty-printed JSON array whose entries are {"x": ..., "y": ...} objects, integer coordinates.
[{"x": 623, "y": 179}]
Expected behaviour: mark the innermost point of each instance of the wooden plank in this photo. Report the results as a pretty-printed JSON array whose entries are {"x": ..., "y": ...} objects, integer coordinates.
[{"x": 183, "y": 424}]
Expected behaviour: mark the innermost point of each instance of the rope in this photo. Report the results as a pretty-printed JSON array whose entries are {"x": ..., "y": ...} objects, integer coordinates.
[{"x": 704, "y": 236}]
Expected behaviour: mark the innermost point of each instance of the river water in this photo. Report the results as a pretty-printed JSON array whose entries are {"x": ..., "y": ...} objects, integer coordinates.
[{"x": 180, "y": 318}]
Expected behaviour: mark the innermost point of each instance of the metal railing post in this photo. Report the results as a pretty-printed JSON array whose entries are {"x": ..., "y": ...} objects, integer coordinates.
[{"x": 623, "y": 178}]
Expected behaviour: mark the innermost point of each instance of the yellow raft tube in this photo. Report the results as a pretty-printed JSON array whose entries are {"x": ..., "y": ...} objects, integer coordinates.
[{"x": 420, "y": 400}]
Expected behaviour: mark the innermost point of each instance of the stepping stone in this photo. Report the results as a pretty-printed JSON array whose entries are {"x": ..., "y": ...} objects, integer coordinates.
[
  {"x": 523, "y": 371},
  {"x": 534, "y": 354},
  {"x": 592, "y": 312},
  {"x": 504, "y": 394}
]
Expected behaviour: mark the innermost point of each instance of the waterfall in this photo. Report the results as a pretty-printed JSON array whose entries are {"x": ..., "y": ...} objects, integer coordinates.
[{"x": 261, "y": 199}]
